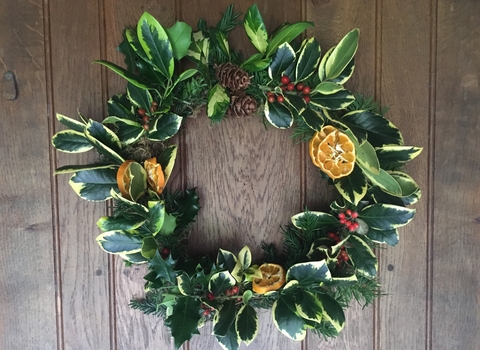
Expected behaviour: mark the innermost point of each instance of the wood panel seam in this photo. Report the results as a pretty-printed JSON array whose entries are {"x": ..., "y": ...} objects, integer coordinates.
[
  {"x": 430, "y": 175},
  {"x": 60, "y": 336}
]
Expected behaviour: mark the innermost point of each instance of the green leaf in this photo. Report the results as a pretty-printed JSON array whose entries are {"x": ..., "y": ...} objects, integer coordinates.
[
  {"x": 341, "y": 55},
  {"x": 104, "y": 140},
  {"x": 386, "y": 216},
  {"x": 380, "y": 130},
  {"x": 200, "y": 48},
  {"x": 186, "y": 75},
  {"x": 389, "y": 237},
  {"x": 323, "y": 62},
  {"x": 183, "y": 322},
  {"x": 120, "y": 223},
  {"x": 332, "y": 312},
  {"x": 255, "y": 63},
  {"x": 129, "y": 76},
  {"x": 71, "y": 141},
  {"x": 282, "y": 58},
  {"x": 362, "y": 257},
  {"x": 188, "y": 208},
  {"x": 76, "y": 168},
  {"x": 245, "y": 257},
  {"x": 255, "y": 28},
  {"x": 119, "y": 242},
  {"x": 224, "y": 318},
  {"x": 149, "y": 247},
  {"x": 218, "y": 103},
  {"x": 335, "y": 101},
  {"x": 184, "y": 285},
  {"x": 220, "y": 282},
  {"x": 309, "y": 273},
  {"x": 313, "y": 220},
  {"x": 121, "y": 107},
  {"x": 343, "y": 281},
  {"x": 328, "y": 88},
  {"x": 247, "y": 295},
  {"x": 346, "y": 74},
  {"x": 222, "y": 42},
  {"x": 165, "y": 127},
  {"x": 134, "y": 208},
  {"x": 366, "y": 158},
  {"x": 314, "y": 119},
  {"x": 297, "y": 102},
  {"x": 157, "y": 216},
  {"x": 385, "y": 181},
  {"x": 135, "y": 258},
  {"x": 230, "y": 341},
  {"x": 246, "y": 324},
  {"x": 226, "y": 259},
  {"x": 163, "y": 269},
  {"x": 140, "y": 97},
  {"x": 138, "y": 181},
  {"x": 352, "y": 187},
  {"x": 286, "y": 34},
  {"x": 309, "y": 307},
  {"x": 394, "y": 156},
  {"x": 167, "y": 161},
  {"x": 278, "y": 115},
  {"x": 406, "y": 182},
  {"x": 308, "y": 59},
  {"x": 180, "y": 37},
  {"x": 71, "y": 123},
  {"x": 169, "y": 225},
  {"x": 128, "y": 131},
  {"x": 286, "y": 319},
  {"x": 154, "y": 41},
  {"x": 95, "y": 184}
]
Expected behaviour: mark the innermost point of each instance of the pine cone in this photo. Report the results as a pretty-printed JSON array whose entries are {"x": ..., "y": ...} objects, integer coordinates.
[
  {"x": 232, "y": 77},
  {"x": 242, "y": 105}
]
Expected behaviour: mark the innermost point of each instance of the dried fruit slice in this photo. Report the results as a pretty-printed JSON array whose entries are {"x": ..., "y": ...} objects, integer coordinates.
[
  {"x": 124, "y": 179},
  {"x": 336, "y": 155},
  {"x": 316, "y": 140},
  {"x": 273, "y": 278},
  {"x": 155, "y": 175}
]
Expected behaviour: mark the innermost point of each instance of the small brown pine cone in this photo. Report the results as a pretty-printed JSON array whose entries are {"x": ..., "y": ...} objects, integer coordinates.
[
  {"x": 242, "y": 105},
  {"x": 232, "y": 77}
]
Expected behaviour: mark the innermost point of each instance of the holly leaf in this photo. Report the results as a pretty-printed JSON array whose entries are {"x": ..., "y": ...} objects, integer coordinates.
[
  {"x": 246, "y": 324},
  {"x": 278, "y": 115},
  {"x": 163, "y": 269},
  {"x": 224, "y": 318},
  {"x": 308, "y": 59},
  {"x": 386, "y": 216},
  {"x": 218, "y": 103},
  {"x": 220, "y": 282},
  {"x": 309, "y": 273},
  {"x": 183, "y": 322},
  {"x": 308, "y": 306},
  {"x": 332, "y": 312},
  {"x": 282, "y": 58},
  {"x": 286, "y": 319},
  {"x": 255, "y": 28}
]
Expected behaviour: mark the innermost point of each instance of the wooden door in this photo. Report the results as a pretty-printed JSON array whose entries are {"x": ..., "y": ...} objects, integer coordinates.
[{"x": 60, "y": 291}]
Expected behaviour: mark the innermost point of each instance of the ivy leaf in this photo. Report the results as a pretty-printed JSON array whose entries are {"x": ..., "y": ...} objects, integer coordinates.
[
  {"x": 183, "y": 322},
  {"x": 246, "y": 324}
]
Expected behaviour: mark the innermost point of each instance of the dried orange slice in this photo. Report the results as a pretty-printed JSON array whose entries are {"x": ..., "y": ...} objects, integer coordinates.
[
  {"x": 155, "y": 175},
  {"x": 316, "y": 140},
  {"x": 336, "y": 155},
  {"x": 273, "y": 279},
  {"x": 124, "y": 179}
]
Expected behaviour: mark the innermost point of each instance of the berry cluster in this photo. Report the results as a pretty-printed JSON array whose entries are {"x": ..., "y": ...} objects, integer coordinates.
[
  {"x": 348, "y": 219},
  {"x": 287, "y": 85},
  {"x": 143, "y": 114},
  {"x": 342, "y": 256}
]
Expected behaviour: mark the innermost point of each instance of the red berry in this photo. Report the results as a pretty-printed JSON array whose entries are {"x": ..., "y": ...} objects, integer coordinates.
[
  {"x": 153, "y": 109},
  {"x": 355, "y": 225},
  {"x": 338, "y": 262},
  {"x": 204, "y": 306},
  {"x": 234, "y": 290},
  {"x": 348, "y": 212},
  {"x": 280, "y": 98},
  {"x": 283, "y": 87},
  {"x": 306, "y": 90},
  {"x": 341, "y": 216},
  {"x": 348, "y": 223},
  {"x": 285, "y": 80},
  {"x": 145, "y": 118},
  {"x": 228, "y": 292},
  {"x": 351, "y": 228},
  {"x": 145, "y": 126},
  {"x": 300, "y": 86},
  {"x": 354, "y": 214},
  {"x": 210, "y": 296},
  {"x": 271, "y": 98},
  {"x": 206, "y": 313},
  {"x": 165, "y": 251},
  {"x": 307, "y": 99},
  {"x": 342, "y": 247},
  {"x": 290, "y": 87},
  {"x": 154, "y": 103},
  {"x": 141, "y": 111},
  {"x": 331, "y": 235},
  {"x": 269, "y": 93},
  {"x": 343, "y": 221},
  {"x": 345, "y": 257}
]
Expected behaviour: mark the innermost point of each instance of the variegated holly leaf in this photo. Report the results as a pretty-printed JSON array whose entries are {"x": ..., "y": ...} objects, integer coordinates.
[
  {"x": 313, "y": 118},
  {"x": 230, "y": 341},
  {"x": 220, "y": 282},
  {"x": 335, "y": 101},
  {"x": 134, "y": 208},
  {"x": 313, "y": 220},
  {"x": 183, "y": 322},
  {"x": 184, "y": 284},
  {"x": 128, "y": 131},
  {"x": 332, "y": 312},
  {"x": 255, "y": 28},
  {"x": 352, "y": 187},
  {"x": 119, "y": 242},
  {"x": 328, "y": 88},
  {"x": 224, "y": 318},
  {"x": 385, "y": 181},
  {"x": 156, "y": 44},
  {"x": 71, "y": 123},
  {"x": 386, "y": 216},
  {"x": 285, "y": 35},
  {"x": 67, "y": 169},
  {"x": 149, "y": 247},
  {"x": 246, "y": 324},
  {"x": 389, "y": 237},
  {"x": 157, "y": 216},
  {"x": 104, "y": 140},
  {"x": 165, "y": 127},
  {"x": 341, "y": 55},
  {"x": 286, "y": 318},
  {"x": 94, "y": 184},
  {"x": 218, "y": 103},
  {"x": 308, "y": 306},
  {"x": 256, "y": 63},
  {"x": 71, "y": 141},
  {"x": 394, "y": 156},
  {"x": 343, "y": 281},
  {"x": 308, "y": 59},
  {"x": 362, "y": 257},
  {"x": 279, "y": 115},
  {"x": 282, "y": 58},
  {"x": 199, "y": 48},
  {"x": 226, "y": 259},
  {"x": 120, "y": 223},
  {"x": 167, "y": 161},
  {"x": 309, "y": 273}
]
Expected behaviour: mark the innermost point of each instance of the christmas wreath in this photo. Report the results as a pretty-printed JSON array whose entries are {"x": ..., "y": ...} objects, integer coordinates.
[{"x": 327, "y": 260}]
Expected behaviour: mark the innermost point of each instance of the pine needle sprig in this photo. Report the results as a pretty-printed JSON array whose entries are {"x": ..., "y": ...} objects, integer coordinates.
[
  {"x": 367, "y": 103},
  {"x": 301, "y": 131},
  {"x": 150, "y": 305},
  {"x": 325, "y": 329},
  {"x": 364, "y": 292},
  {"x": 229, "y": 20}
]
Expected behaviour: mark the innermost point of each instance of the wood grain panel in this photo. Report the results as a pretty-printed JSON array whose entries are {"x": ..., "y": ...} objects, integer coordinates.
[
  {"x": 404, "y": 85},
  {"x": 27, "y": 285},
  {"x": 456, "y": 282},
  {"x": 75, "y": 43},
  {"x": 133, "y": 328},
  {"x": 248, "y": 178},
  {"x": 334, "y": 19}
]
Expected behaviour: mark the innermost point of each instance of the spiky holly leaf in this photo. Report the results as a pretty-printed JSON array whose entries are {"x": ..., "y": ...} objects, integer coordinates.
[{"x": 183, "y": 322}]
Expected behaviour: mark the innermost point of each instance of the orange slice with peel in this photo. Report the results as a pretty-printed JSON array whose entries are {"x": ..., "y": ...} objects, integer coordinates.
[
  {"x": 273, "y": 278},
  {"x": 155, "y": 175},
  {"x": 336, "y": 155},
  {"x": 124, "y": 179},
  {"x": 316, "y": 140}
]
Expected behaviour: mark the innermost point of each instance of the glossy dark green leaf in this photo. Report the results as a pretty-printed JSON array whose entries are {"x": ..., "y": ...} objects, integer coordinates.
[
  {"x": 184, "y": 284},
  {"x": 76, "y": 168},
  {"x": 138, "y": 180},
  {"x": 309, "y": 273},
  {"x": 149, "y": 247},
  {"x": 167, "y": 161},
  {"x": 313, "y": 220},
  {"x": 163, "y": 268},
  {"x": 224, "y": 318},
  {"x": 352, "y": 187},
  {"x": 285, "y": 318},
  {"x": 119, "y": 242},
  {"x": 71, "y": 141},
  {"x": 286, "y": 34},
  {"x": 314, "y": 119},
  {"x": 121, "y": 107},
  {"x": 128, "y": 131},
  {"x": 119, "y": 223},
  {"x": 385, "y": 181},
  {"x": 341, "y": 55},
  {"x": 139, "y": 97},
  {"x": 394, "y": 156},
  {"x": 183, "y": 322},
  {"x": 296, "y": 102},
  {"x": 188, "y": 207},
  {"x": 386, "y": 216},
  {"x": 246, "y": 324},
  {"x": 220, "y": 282},
  {"x": 136, "y": 209},
  {"x": 328, "y": 88},
  {"x": 278, "y": 115},
  {"x": 308, "y": 306},
  {"x": 338, "y": 100},
  {"x": 71, "y": 123},
  {"x": 95, "y": 184},
  {"x": 362, "y": 257},
  {"x": 308, "y": 59},
  {"x": 199, "y": 48},
  {"x": 282, "y": 58},
  {"x": 180, "y": 36},
  {"x": 104, "y": 140},
  {"x": 255, "y": 28},
  {"x": 129, "y": 76},
  {"x": 165, "y": 127},
  {"x": 332, "y": 312},
  {"x": 230, "y": 341},
  {"x": 157, "y": 216},
  {"x": 389, "y": 237},
  {"x": 226, "y": 259}
]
